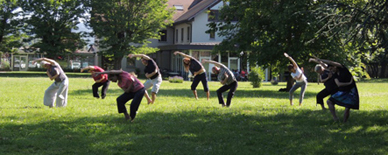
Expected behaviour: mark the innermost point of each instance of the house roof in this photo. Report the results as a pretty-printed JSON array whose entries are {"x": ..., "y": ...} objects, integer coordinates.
[
  {"x": 196, "y": 9},
  {"x": 185, "y": 3}
]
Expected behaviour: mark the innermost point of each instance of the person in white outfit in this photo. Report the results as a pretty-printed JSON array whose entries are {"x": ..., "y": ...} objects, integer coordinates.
[
  {"x": 56, "y": 92},
  {"x": 300, "y": 78}
]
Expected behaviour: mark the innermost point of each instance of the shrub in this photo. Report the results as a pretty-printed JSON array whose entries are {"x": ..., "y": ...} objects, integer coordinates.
[
  {"x": 175, "y": 79},
  {"x": 256, "y": 76},
  {"x": 5, "y": 66}
]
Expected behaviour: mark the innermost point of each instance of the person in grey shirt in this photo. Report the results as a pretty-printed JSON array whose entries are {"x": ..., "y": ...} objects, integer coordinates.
[
  {"x": 226, "y": 77},
  {"x": 57, "y": 92}
]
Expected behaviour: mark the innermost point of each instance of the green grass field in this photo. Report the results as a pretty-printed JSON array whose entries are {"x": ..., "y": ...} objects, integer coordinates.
[{"x": 260, "y": 121}]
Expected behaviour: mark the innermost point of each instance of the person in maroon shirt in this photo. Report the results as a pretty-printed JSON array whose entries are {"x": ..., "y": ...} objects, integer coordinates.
[
  {"x": 133, "y": 89},
  {"x": 101, "y": 80}
]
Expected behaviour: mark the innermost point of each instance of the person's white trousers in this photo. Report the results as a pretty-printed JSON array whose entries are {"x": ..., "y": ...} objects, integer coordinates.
[{"x": 57, "y": 91}]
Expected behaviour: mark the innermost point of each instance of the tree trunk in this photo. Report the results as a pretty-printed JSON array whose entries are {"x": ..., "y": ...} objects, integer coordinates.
[{"x": 117, "y": 63}]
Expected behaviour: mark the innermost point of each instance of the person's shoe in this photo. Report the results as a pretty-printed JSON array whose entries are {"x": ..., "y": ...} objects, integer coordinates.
[{"x": 102, "y": 97}]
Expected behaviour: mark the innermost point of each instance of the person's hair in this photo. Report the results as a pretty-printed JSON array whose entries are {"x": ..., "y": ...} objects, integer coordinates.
[
  {"x": 290, "y": 66},
  {"x": 216, "y": 68},
  {"x": 318, "y": 67},
  {"x": 133, "y": 73},
  {"x": 186, "y": 65}
]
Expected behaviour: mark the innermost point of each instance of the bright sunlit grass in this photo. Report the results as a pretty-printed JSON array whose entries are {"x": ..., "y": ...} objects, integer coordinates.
[{"x": 260, "y": 121}]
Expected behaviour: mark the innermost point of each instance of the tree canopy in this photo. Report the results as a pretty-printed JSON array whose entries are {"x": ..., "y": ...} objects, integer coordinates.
[
  {"x": 124, "y": 26},
  {"x": 9, "y": 25},
  {"x": 50, "y": 23}
]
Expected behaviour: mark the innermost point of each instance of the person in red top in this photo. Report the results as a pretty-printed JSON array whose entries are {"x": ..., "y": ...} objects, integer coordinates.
[
  {"x": 101, "y": 80},
  {"x": 133, "y": 89}
]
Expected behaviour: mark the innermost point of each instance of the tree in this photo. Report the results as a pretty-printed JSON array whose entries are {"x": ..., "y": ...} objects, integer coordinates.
[
  {"x": 49, "y": 24},
  {"x": 364, "y": 25},
  {"x": 9, "y": 25},
  {"x": 124, "y": 26},
  {"x": 268, "y": 28}
]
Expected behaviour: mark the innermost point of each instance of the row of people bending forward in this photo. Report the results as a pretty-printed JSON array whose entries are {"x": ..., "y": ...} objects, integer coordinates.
[
  {"x": 337, "y": 79},
  {"x": 133, "y": 89}
]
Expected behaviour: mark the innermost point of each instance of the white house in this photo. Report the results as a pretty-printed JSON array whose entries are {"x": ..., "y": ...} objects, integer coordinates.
[{"x": 187, "y": 35}]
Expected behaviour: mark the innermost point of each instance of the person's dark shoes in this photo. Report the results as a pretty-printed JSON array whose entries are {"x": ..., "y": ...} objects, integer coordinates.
[{"x": 102, "y": 97}]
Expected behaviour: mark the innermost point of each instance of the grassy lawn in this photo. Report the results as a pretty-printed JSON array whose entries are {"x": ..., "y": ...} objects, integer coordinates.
[{"x": 260, "y": 121}]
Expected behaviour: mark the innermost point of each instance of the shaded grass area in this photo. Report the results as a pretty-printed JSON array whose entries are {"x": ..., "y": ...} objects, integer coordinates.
[{"x": 260, "y": 121}]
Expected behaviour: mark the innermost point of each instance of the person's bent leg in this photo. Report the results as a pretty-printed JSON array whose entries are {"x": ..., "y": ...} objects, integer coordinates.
[
  {"x": 121, "y": 100},
  {"x": 205, "y": 85},
  {"x": 148, "y": 84},
  {"x": 50, "y": 95},
  {"x": 194, "y": 86},
  {"x": 155, "y": 88},
  {"x": 138, "y": 96},
  {"x": 320, "y": 96},
  {"x": 233, "y": 87},
  {"x": 330, "y": 104},
  {"x": 62, "y": 93},
  {"x": 104, "y": 89},
  {"x": 291, "y": 97},
  {"x": 220, "y": 96},
  {"x": 346, "y": 114},
  {"x": 95, "y": 87}
]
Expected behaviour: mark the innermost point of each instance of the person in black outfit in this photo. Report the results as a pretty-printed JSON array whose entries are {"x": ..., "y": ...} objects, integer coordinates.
[
  {"x": 198, "y": 71},
  {"x": 152, "y": 73},
  {"x": 347, "y": 94},
  {"x": 325, "y": 76}
]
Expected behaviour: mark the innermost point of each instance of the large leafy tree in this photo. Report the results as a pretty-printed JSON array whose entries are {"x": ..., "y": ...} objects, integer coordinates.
[
  {"x": 124, "y": 26},
  {"x": 363, "y": 25},
  {"x": 268, "y": 28},
  {"x": 49, "y": 23},
  {"x": 9, "y": 25}
]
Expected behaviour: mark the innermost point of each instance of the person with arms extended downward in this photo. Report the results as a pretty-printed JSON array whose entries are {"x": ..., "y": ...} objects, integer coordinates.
[{"x": 56, "y": 92}]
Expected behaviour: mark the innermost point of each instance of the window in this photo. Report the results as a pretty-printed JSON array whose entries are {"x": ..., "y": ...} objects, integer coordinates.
[
  {"x": 176, "y": 35},
  {"x": 188, "y": 33},
  {"x": 163, "y": 35},
  {"x": 179, "y": 7},
  {"x": 182, "y": 34},
  {"x": 213, "y": 15}
]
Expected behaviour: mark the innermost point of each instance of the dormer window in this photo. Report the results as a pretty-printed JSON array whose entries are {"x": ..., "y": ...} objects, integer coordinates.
[{"x": 179, "y": 7}]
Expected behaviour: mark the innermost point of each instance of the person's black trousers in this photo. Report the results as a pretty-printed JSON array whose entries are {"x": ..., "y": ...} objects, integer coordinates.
[
  {"x": 321, "y": 95},
  {"x": 136, "y": 100},
  {"x": 232, "y": 87},
  {"x": 104, "y": 85}
]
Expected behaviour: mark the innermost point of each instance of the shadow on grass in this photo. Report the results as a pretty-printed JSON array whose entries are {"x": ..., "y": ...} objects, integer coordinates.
[
  {"x": 201, "y": 132},
  {"x": 201, "y": 93}
]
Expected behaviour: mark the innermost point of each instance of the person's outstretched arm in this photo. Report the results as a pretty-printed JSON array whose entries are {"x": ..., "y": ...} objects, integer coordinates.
[
  {"x": 330, "y": 62},
  {"x": 51, "y": 61},
  {"x": 213, "y": 62},
  {"x": 183, "y": 54},
  {"x": 111, "y": 72},
  {"x": 318, "y": 62},
  {"x": 87, "y": 68},
  {"x": 292, "y": 61},
  {"x": 139, "y": 55}
]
